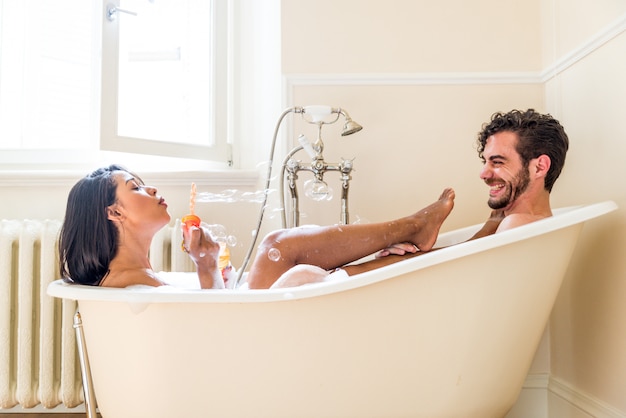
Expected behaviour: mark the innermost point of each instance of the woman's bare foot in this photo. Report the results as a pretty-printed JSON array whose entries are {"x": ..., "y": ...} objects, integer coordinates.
[{"x": 430, "y": 219}]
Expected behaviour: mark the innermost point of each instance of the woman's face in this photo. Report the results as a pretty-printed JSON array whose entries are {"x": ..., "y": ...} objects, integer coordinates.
[{"x": 137, "y": 203}]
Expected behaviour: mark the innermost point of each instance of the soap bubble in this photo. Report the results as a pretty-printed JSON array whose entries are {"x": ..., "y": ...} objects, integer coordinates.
[
  {"x": 217, "y": 232},
  {"x": 358, "y": 220},
  {"x": 318, "y": 190},
  {"x": 231, "y": 240},
  {"x": 273, "y": 254},
  {"x": 233, "y": 196}
]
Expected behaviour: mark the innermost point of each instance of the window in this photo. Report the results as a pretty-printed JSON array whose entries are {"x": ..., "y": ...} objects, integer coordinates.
[
  {"x": 163, "y": 81},
  {"x": 47, "y": 76},
  {"x": 158, "y": 87}
]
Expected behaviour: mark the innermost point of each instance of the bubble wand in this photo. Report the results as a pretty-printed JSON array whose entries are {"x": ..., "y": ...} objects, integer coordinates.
[{"x": 191, "y": 219}]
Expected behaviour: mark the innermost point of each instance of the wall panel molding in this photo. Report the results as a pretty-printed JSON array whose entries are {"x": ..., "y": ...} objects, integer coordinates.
[
  {"x": 413, "y": 79},
  {"x": 594, "y": 42}
]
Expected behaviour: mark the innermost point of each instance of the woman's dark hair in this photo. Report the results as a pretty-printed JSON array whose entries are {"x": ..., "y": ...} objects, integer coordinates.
[
  {"x": 538, "y": 134},
  {"x": 89, "y": 240}
]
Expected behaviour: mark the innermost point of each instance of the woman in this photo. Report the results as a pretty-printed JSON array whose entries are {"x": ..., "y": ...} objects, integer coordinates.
[{"x": 112, "y": 216}]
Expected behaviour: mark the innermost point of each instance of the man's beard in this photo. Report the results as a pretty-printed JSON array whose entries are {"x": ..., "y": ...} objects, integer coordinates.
[{"x": 520, "y": 182}]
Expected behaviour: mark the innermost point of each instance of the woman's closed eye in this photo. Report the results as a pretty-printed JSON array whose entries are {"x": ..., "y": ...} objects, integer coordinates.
[{"x": 135, "y": 185}]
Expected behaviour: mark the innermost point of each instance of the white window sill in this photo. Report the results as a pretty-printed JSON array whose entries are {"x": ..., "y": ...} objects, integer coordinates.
[
  {"x": 231, "y": 177},
  {"x": 56, "y": 167}
]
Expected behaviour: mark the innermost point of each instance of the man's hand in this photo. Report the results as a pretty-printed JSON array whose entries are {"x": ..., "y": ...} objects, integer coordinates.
[{"x": 401, "y": 248}]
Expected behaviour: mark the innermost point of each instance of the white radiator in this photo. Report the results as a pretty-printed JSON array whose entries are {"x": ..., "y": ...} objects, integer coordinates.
[{"x": 38, "y": 356}]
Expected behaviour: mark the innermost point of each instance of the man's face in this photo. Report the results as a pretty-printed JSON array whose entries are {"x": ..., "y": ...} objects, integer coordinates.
[{"x": 503, "y": 171}]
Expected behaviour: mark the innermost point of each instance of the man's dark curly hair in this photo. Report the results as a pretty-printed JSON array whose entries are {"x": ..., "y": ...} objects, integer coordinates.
[{"x": 538, "y": 134}]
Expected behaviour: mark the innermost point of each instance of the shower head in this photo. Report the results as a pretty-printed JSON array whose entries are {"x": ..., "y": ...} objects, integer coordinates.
[
  {"x": 350, "y": 127},
  {"x": 317, "y": 114}
]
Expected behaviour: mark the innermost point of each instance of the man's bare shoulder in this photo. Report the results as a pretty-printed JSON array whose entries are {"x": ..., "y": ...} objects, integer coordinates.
[{"x": 517, "y": 219}]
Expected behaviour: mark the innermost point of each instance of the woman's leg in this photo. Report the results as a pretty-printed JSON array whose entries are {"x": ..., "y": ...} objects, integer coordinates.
[
  {"x": 334, "y": 246},
  {"x": 300, "y": 275},
  {"x": 389, "y": 257}
]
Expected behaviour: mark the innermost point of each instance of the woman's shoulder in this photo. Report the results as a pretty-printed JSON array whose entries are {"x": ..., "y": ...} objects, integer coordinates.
[{"x": 130, "y": 277}]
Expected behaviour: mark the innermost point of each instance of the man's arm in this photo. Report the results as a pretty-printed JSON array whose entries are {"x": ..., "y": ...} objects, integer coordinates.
[{"x": 491, "y": 226}]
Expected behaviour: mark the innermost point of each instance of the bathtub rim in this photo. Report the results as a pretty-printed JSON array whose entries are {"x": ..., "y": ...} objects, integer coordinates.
[{"x": 562, "y": 218}]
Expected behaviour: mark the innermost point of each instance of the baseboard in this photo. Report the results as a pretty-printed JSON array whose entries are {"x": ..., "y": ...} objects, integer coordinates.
[
  {"x": 533, "y": 399},
  {"x": 585, "y": 402},
  {"x": 59, "y": 411},
  {"x": 543, "y": 396}
]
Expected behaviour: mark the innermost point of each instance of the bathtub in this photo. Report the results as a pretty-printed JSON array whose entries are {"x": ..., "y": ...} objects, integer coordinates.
[{"x": 451, "y": 333}]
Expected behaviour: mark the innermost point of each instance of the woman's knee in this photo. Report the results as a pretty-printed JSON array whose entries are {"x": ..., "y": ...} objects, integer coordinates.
[
  {"x": 300, "y": 275},
  {"x": 273, "y": 240}
]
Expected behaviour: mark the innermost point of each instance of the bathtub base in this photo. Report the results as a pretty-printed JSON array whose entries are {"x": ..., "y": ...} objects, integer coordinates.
[{"x": 434, "y": 352}]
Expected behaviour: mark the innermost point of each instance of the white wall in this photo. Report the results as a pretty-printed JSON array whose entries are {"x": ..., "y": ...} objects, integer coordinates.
[
  {"x": 422, "y": 77},
  {"x": 588, "y": 340}
]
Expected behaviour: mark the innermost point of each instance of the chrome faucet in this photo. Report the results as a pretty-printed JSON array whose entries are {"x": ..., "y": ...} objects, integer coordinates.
[
  {"x": 317, "y": 188},
  {"x": 317, "y": 166}
]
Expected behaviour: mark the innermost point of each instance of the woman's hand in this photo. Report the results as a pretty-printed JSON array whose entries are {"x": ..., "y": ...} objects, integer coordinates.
[
  {"x": 204, "y": 252},
  {"x": 198, "y": 244}
]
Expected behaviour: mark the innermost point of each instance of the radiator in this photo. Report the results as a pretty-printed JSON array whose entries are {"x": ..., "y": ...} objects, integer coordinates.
[{"x": 38, "y": 356}]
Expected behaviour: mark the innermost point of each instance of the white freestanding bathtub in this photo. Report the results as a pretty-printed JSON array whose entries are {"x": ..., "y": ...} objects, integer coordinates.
[{"x": 451, "y": 333}]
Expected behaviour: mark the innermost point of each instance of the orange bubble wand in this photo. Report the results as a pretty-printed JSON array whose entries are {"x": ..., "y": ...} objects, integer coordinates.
[{"x": 191, "y": 219}]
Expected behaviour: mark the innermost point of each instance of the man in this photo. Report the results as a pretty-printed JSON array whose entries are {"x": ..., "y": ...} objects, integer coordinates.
[{"x": 523, "y": 153}]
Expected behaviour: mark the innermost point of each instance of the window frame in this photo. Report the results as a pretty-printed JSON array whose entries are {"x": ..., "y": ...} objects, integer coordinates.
[
  {"x": 220, "y": 151},
  {"x": 150, "y": 155}
]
